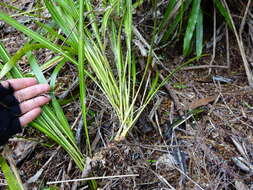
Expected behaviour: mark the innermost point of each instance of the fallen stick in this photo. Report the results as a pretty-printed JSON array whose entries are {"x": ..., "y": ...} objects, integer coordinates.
[{"x": 92, "y": 178}]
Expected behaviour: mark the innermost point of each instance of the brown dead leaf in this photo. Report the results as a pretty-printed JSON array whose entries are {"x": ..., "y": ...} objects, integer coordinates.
[{"x": 201, "y": 102}]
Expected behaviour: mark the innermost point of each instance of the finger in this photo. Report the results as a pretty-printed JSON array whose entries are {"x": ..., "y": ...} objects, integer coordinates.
[
  {"x": 29, "y": 116},
  {"x": 33, "y": 103},
  {"x": 19, "y": 84},
  {"x": 32, "y": 91}
]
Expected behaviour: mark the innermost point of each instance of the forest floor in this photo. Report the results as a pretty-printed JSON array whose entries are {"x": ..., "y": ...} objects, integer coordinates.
[{"x": 170, "y": 147}]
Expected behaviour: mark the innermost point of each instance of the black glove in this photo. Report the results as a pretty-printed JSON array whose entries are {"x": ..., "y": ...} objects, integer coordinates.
[{"x": 9, "y": 114}]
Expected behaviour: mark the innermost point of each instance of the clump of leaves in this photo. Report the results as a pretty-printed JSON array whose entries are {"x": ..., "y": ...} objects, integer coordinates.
[
  {"x": 90, "y": 37},
  {"x": 52, "y": 121},
  {"x": 121, "y": 87},
  {"x": 189, "y": 12}
]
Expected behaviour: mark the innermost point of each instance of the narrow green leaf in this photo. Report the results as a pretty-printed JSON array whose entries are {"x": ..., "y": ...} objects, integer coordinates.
[
  {"x": 52, "y": 62},
  {"x": 14, "y": 59},
  {"x": 22, "y": 12},
  {"x": 36, "y": 69},
  {"x": 38, "y": 38},
  {"x": 191, "y": 26},
  {"x": 69, "y": 8},
  {"x": 13, "y": 183},
  {"x": 199, "y": 34},
  {"x": 47, "y": 122},
  {"x": 81, "y": 58},
  {"x": 58, "y": 110},
  {"x": 65, "y": 21},
  {"x": 138, "y": 3},
  {"x": 166, "y": 15},
  {"x": 53, "y": 33},
  {"x": 106, "y": 17},
  {"x": 224, "y": 13},
  {"x": 176, "y": 21},
  {"x": 153, "y": 85},
  {"x": 93, "y": 21}
]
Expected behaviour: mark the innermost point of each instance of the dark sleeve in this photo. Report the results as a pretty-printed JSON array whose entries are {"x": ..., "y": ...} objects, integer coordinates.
[{"x": 9, "y": 113}]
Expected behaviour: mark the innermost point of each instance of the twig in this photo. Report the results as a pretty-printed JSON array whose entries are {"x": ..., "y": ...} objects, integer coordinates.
[
  {"x": 171, "y": 116},
  {"x": 227, "y": 47},
  {"x": 189, "y": 178},
  {"x": 155, "y": 108},
  {"x": 214, "y": 39},
  {"x": 76, "y": 120},
  {"x": 159, "y": 127},
  {"x": 205, "y": 67},
  {"x": 240, "y": 44},
  {"x": 244, "y": 18},
  {"x": 73, "y": 85},
  {"x": 145, "y": 43},
  {"x": 35, "y": 177},
  {"x": 167, "y": 86},
  {"x": 219, "y": 36},
  {"x": 230, "y": 110},
  {"x": 92, "y": 178},
  {"x": 173, "y": 96},
  {"x": 163, "y": 180}
]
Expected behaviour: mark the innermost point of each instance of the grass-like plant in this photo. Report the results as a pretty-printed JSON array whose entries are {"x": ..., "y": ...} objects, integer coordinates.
[
  {"x": 105, "y": 44},
  {"x": 107, "y": 48},
  {"x": 189, "y": 12},
  {"x": 52, "y": 121}
]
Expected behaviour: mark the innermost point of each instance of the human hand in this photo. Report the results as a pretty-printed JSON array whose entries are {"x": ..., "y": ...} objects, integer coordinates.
[{"x": 30, "y": 97}]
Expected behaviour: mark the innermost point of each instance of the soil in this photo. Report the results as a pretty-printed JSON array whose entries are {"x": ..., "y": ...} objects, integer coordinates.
[{"x": 209, "y": 150}]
